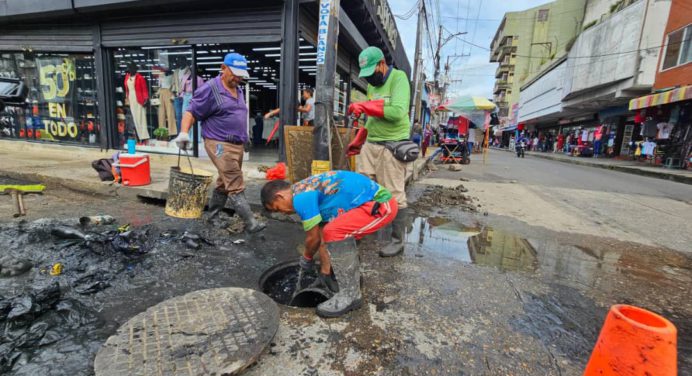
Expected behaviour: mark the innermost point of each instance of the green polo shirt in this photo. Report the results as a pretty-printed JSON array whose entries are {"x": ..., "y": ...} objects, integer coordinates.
[{"x": 396, "y": 92}]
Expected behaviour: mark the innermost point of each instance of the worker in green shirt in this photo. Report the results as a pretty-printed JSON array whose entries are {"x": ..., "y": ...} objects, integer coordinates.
[{"x": 387, "y": 121}]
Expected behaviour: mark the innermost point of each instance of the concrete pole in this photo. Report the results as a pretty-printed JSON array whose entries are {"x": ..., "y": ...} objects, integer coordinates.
[
  {"x": 288, "y": 85},
  {"x": 327, "y": 40},
  {"x": 417, "y": 61}
]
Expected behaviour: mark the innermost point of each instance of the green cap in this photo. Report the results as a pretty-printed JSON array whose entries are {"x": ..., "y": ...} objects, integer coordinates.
[{"x": 368, "y": 60}]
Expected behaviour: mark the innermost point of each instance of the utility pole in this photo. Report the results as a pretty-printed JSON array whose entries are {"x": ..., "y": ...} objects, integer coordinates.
[
  {"x": 436, "y": 76},
  {"x": 327, "y": 38},
  {"x": 447, "y": 81},
  {"x": 417, "y": 60}
]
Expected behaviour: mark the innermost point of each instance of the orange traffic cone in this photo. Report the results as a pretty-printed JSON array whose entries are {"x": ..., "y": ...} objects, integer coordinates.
[{"x": 634, "y": 341}]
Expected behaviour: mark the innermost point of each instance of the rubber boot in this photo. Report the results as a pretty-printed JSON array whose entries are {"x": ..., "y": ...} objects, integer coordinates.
[
  {"x": 344, "y": 259},
  {"x": 329, "y": 281},
  {"x": 216, "y": 204},
  {"x": 242, "y": 208},
  {"x": 396, "y": 245}
]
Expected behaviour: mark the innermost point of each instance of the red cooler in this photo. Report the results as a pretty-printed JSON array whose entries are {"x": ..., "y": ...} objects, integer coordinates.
[{"x": 134, "y": 169}]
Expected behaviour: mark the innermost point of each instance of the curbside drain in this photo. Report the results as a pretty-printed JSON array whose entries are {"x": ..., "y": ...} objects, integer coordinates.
[{"x": 208, "y": 332}]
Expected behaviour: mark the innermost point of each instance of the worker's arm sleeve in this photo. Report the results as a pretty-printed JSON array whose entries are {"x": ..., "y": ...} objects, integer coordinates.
[
  {"x": 398, "y": 106},
  {"x": 307, "y": 207},
  {"x": 202, "y": 104}
]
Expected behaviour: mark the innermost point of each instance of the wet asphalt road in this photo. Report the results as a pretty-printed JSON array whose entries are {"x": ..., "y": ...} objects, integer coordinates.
[
  {"x": 502, "y": 166},
  {"x": 471, "y": 295}
]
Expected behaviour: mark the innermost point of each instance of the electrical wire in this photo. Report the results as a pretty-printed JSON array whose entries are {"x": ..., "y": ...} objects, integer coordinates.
[
  {"x": 575, "y": 57},
  {"x": 409, "y": 13}
]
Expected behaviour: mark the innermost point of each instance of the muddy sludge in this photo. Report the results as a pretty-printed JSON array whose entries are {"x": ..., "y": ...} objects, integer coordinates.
[
  {"x": 108, "y": 276},
  {"x": 280, "y": 283}
]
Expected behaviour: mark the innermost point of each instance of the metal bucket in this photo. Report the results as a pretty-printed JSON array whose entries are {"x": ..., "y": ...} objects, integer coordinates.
[{"x": 187, "y": 192}]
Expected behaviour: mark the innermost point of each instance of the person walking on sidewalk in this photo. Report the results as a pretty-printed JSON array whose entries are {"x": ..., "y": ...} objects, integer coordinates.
[
  {"x": 352, "y": 206},
  {"x": 387, "y": 110},
  {"x": 220, "y": 106}
]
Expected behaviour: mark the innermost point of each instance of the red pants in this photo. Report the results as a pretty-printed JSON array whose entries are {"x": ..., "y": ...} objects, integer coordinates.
[{"x": 359, "y": 222}]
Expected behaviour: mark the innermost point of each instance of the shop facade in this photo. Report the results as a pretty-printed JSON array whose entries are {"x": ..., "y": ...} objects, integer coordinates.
[
  {"x": 665, "y": 128},
  {"x": 103, "y": 72}
]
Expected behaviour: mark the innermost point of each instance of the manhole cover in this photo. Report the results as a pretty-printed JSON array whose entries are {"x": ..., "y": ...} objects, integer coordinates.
[{"x": 207, "y": 332}]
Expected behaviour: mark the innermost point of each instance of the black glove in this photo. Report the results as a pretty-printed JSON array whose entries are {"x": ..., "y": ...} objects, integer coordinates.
[{"x": 306, "y": 264}]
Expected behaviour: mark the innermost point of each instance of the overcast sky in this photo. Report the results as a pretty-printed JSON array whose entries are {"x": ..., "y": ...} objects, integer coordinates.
[{"x": 480, "y": 19}]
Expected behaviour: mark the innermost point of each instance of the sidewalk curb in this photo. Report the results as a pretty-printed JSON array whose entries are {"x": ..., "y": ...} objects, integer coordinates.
[
  {"x": 630, "y": 170},
  {"x": 252, "y": 186}
]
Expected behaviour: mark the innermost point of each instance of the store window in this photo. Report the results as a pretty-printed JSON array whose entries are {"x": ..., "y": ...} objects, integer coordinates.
[
  {"x": 61, "y": 105},
  {"x": 153, "y": 86}
]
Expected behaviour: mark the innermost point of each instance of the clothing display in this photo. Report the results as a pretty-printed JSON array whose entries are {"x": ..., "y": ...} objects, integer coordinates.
[
  {"x": 139, "y": 88},
  {"x": 648, "y": 148},
  {"x": 584, "y": 135},
  {"x": 664, "y": 130},
  {"x": 166, "y": 111},
  {"x": 649, "y": 128},
  {"x": 178, "y": 107},
  {"x": 135, "y": 93}
]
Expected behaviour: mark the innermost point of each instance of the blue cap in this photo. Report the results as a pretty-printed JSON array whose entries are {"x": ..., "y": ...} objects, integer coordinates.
[{"x": 237, "y": 64}]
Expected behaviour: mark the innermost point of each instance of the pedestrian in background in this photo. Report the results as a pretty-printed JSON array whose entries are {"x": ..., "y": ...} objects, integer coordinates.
[
  {"x": 308, "y": 109},
  {"x": 417, "y": 135}
]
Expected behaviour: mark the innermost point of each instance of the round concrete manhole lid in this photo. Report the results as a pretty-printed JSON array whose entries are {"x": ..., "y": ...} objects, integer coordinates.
[{"x": 208, "y": 332}]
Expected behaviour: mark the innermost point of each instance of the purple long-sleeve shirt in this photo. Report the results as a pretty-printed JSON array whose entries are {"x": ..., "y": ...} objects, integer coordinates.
[{"x": 227, "y": 122}]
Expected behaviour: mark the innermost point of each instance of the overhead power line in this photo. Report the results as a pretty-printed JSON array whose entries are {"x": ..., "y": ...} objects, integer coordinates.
[
  {"x": 576, "y": 57},
  {"x": 410, "y": 13}
]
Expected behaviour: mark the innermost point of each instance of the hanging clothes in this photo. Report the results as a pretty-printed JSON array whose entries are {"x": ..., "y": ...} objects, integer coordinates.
[{"x": 139, "y": 112}]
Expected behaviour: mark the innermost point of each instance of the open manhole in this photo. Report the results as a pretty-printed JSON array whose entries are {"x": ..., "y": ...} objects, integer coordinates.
[
  {"x": 212, "y": 332},
  {"x": 280, "y": 283}
]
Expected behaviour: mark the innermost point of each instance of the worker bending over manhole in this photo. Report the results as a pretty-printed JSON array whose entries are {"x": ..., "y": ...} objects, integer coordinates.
[{"x": 351, "y": 206}]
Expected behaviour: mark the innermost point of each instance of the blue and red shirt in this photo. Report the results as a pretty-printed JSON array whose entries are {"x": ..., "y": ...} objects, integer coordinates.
[{"x": 323, "y": 197}]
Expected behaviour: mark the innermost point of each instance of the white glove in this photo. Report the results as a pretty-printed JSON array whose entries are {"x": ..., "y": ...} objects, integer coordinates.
[{"x": 183, "y": 140}]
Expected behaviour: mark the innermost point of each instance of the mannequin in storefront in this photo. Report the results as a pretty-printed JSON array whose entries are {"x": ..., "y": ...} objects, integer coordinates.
[
  {"x": 185, "y": 76},
  {"x": 166, "y": 109},
  {"x": 137, "y": 98}
]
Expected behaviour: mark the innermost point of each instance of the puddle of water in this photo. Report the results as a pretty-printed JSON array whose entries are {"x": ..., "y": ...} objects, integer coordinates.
[{"x": 482, "y": 246}]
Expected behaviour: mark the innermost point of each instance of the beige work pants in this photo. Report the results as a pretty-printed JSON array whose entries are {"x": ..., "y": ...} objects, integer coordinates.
[
  {"x": 228, "y": 160},
  {"x": 378, "y": 163}
]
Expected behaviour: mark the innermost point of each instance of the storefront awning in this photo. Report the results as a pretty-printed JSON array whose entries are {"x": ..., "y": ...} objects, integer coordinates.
[{"x": 675, "y": 95}]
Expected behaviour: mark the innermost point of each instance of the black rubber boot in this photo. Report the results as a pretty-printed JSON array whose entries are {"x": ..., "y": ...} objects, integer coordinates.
[
  {"x": 346, "y": 267},
  {"x": 396, "y": 245},
  {"x": 242, "y": 208},
  {"x": 216, "y": 204}
]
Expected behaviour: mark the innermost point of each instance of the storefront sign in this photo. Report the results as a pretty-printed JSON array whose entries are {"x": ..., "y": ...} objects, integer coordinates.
[
  {"x": 57, "y": 77},
  {"x": 322, "y": 30},
  {"x": 384, "y": 14}
]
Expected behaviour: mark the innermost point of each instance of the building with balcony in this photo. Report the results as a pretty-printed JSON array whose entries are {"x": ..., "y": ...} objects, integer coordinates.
[
  {"x": 528, "y": 41},
  {"x": 613, "y": 60}
]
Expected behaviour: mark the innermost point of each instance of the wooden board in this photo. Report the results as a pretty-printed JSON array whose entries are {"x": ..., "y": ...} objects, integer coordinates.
[{"x": 299, "y": 151}]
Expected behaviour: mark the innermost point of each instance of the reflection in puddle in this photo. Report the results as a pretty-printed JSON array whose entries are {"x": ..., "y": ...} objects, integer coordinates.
[
  {"x": 482, "y": 246},
  {"x": 592, "y": 267}
]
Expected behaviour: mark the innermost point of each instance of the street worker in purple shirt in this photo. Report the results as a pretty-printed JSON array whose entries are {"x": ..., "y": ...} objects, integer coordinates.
[{"x": 220, "y": 106}]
